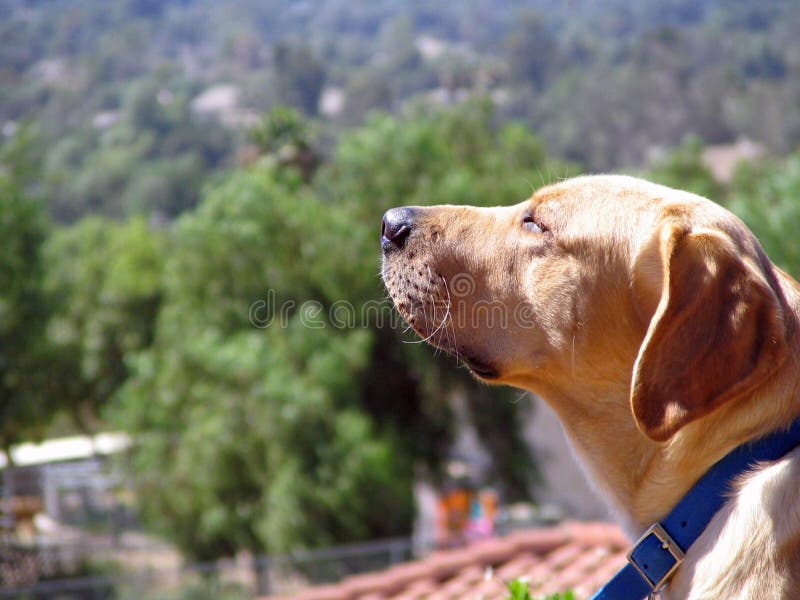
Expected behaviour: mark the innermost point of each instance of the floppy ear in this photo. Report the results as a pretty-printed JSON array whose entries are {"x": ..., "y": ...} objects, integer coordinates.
[{"x": 716, "y": 334}]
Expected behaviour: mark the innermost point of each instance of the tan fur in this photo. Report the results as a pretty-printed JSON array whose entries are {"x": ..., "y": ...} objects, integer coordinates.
[{"x": 653, "y": 323}]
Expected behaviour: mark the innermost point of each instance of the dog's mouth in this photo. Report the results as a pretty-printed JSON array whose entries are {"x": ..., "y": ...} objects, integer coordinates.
[
  {"x": 422, "y": 298},
  {"x": 479, "y": 367}
]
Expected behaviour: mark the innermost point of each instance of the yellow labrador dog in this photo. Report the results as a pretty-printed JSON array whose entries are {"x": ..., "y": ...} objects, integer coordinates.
[{"x": 653, "y": 323}]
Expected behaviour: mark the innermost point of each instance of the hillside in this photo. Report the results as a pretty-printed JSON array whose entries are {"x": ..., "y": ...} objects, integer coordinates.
[{"x": 130, "y": 106}]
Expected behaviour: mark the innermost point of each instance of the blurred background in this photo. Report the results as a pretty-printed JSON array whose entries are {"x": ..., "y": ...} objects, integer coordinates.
[{"x": 203, "y": 389}]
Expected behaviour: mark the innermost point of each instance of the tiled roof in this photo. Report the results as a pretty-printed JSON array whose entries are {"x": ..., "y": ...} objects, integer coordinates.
[{"x": 571, "y": 556}]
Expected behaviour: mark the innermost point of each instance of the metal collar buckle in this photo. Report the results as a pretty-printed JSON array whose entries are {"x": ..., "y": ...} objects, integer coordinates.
[{"x": 656, "y": 556}]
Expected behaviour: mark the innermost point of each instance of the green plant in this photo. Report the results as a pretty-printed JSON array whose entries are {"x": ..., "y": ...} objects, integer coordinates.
[{"x": 519, "y": 590}]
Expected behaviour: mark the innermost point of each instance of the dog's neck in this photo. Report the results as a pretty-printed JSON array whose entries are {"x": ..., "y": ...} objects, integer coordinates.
[
  {"x": 643, "y": 480},
  {"x": 610, "y": 449}
]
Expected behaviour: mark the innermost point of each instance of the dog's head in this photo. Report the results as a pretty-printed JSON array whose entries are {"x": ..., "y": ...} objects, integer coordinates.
[{"x": 601, "y": 281}]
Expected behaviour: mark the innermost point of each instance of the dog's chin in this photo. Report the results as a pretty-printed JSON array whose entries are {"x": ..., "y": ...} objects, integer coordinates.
[
  {"x": 478, "y": 366},
  {"x": 438, "y": 335},
  {"x": 474, "y": 361}
]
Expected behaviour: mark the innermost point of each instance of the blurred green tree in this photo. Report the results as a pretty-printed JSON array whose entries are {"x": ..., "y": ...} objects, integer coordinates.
[
  {"x": 299, "y": 76},
  {"x": 24, "y": 406},
  {"x": 284, "y": 135},
  {"x": 367, "y": 91},
  {"x": 151, "y": 158},
  {"x": 273, "y": 410},
  {"x": 104, "y": 281},
  {"x": 532, "y": 51},
  {"x": 249, "y": 435},
  {"x": 400, "y": 63}
]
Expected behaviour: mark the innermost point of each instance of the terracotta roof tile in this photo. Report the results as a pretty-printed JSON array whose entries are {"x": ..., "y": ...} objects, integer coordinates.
[
  {"x": 573, "y": 555},
  {"x": 463, "y": 582}
]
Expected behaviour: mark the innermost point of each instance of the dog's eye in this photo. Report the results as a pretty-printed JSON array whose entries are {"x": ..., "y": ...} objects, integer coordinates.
[{"x": 530, "y": 224}]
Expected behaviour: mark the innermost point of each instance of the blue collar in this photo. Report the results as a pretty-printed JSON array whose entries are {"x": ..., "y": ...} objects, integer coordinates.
[{"x": 659, "y": 552}]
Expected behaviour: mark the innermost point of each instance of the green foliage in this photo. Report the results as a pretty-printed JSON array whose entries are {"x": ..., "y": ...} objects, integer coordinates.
[
  {"x": 603, "y": 83},
  {"x": 24, "y": 406},
  {"x": 288, "y": 459},
  {"x": 299, "y": 76},
  {"x": 19, "y": 155},
  {"x": 105, "y": 282},
  {"x": 308, "y": 427},
  {"x": 285, "y": 137},
  {"x": 532, "y": 51},
  {"x": 518, "y": 590},
  {"x": 150, "y": 158},
  {"x": 282, "y": 127},
  {"x": 285, "y": 461},
  {"x": 560, "y": 596},
  {"x": 367, "y": 91}
]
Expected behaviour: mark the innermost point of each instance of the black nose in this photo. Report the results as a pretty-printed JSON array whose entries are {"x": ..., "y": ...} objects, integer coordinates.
[{"x": 397, "y": 224}]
